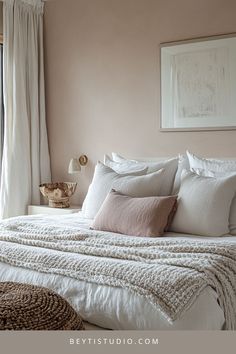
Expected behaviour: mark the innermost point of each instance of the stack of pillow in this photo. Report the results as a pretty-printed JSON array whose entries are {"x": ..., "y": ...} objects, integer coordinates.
[
  {"x": 140, "y": 198},
  {"x": 206, "y": 192}
]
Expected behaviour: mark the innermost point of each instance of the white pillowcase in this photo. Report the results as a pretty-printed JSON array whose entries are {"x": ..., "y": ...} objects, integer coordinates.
[
  {"x": 204, "y": 204},
  {"x": 127, "y": 164},
  {"x": 126, "y": 167},
  {"x": 105, "y": 179},
  {"x": 216, "y": 168},
  {"x": 121, "y": 165},
  {"x": 183, "y": 164},
  {"x": 118, "y": 158},
  {"x": 211, "y": 164}
]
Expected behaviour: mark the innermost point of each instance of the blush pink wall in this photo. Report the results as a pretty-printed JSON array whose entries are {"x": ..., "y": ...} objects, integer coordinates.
[
  {"x": 103, "y": 78},
  {"x": 1, "y": 18}
]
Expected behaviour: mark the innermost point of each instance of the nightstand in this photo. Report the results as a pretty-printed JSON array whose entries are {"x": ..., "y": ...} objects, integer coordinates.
[{"x": 46, "y": 210}]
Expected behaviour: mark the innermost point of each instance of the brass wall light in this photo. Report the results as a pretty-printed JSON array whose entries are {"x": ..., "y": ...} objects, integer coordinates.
[{"x": 76, "y": 163}]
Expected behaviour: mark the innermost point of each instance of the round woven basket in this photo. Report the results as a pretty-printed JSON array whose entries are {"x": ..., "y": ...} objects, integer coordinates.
[{"x": 29, "y": 307}]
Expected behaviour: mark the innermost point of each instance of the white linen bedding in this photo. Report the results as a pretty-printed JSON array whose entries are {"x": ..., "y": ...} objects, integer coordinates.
[{"x": 117, "y": 308}]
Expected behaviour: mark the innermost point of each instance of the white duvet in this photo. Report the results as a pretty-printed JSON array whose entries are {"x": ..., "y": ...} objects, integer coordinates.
[{"x": 117, "y": 308}]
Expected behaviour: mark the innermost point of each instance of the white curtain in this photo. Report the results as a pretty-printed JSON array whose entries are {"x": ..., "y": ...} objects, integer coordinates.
[{"x": 26, "y": 161}]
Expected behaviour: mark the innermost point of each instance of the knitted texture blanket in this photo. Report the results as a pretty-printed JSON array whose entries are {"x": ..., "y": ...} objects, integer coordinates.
[{"x": 170, "y": 273}]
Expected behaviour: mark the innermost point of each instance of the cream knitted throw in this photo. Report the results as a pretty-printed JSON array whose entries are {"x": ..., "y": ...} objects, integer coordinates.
[{"x": 170, "y": 273}]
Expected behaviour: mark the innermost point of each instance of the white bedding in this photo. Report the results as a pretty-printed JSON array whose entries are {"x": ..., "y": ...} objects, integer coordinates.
[{"x": 118, "y": 308}]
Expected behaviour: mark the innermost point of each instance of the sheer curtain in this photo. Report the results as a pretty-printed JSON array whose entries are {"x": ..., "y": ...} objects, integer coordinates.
[
  {"x": 25, "y": 151},
  {"x": 1, "y": 107}
]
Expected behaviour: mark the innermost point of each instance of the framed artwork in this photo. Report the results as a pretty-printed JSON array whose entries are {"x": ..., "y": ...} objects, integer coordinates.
[{"x": 198, "y": 84}]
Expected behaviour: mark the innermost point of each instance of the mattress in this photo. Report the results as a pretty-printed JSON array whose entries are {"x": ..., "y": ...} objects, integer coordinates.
[{"x": 117, "y": 308}]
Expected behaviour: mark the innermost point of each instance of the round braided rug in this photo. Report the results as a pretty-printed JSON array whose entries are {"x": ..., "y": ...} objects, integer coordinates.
[{"x": 29, "y": 307}]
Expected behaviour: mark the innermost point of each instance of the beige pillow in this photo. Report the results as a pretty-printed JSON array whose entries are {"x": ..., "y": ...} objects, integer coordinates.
[
  {"x": 147, "y": 216},
  {"x": 105, "y": 179},
  {"x": 204, "y": 205}
]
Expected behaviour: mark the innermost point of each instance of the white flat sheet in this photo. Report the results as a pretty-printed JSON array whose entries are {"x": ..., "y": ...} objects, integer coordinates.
[{"x": 118, "y": 308}]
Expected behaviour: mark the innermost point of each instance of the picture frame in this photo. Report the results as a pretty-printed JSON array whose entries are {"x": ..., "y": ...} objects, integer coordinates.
[{"x": 198, "y": 84}]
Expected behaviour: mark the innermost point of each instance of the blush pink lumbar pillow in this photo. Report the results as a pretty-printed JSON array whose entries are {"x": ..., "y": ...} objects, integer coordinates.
[{"x": 147, "y": 216}]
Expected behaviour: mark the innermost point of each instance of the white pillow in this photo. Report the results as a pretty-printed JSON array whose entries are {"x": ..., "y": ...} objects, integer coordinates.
[
  {"x": 170, "y": 168},
  {"x": 216, "y": 168},
  {"x": 183, "y": 164},
  {"x": 152, "y": 166},
  {"x": 211, "y": 164},
  {"x": 118, "y": 158},
  {"x": 126, "y": 167},
  {"x": 208, "y": 173},
  {"x": 204, "y": 204},
  {"x": 105, "y": 179}
]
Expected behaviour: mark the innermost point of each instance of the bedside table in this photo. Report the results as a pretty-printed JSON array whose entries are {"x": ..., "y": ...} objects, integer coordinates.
[{"x": 46, "y": 210}]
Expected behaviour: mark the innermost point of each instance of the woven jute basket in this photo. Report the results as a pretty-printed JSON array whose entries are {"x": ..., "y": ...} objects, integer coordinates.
[{"x": 29, "y": 307}]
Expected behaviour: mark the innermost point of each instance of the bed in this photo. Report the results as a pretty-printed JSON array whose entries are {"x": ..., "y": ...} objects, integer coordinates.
[
  {"x": 179, "y": 281},
  {"x": 103, "y": 306}
]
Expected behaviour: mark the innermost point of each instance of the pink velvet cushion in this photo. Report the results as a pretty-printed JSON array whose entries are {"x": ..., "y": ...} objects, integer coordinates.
[{"x": 148, "y": 216}]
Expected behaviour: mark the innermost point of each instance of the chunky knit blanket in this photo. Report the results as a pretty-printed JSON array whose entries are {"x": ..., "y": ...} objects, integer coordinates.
[{"x": 170, "y": 273}]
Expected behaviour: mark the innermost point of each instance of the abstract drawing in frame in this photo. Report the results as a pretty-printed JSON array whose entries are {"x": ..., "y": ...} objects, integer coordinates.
[{"x": 198, "y": 84}]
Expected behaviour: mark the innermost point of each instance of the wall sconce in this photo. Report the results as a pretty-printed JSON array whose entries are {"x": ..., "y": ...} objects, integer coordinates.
[{"x": 75, "y": 164}]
